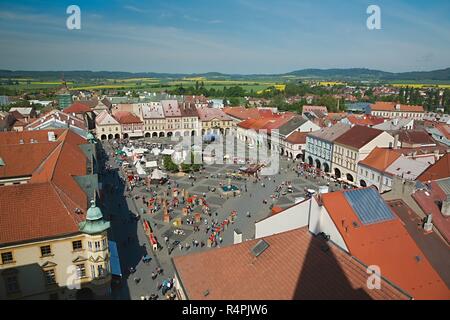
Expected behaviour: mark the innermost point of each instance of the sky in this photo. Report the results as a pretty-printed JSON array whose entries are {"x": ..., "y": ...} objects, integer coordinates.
[{"x": 229, "y": 36}]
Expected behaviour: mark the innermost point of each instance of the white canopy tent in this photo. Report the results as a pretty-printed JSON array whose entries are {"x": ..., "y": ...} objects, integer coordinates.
[
  {"x": 151, "y": 164},
  {"x": 156, "y": 151},
  {"x": 158, "y": 175},
  {"x": 167, "y": 152}
]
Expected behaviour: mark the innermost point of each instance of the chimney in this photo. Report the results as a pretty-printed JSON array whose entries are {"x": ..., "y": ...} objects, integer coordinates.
[
  {"x": 237, "y": 234},
  {"x": 396, "y": 138},
  {"x": 428, "y": 226},
  {"x": 397, "y": 107},
  {"x": 395, "y": 122}
]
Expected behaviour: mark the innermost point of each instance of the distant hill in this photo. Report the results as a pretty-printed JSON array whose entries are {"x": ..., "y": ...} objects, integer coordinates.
[{"x": 335, "y": 74}]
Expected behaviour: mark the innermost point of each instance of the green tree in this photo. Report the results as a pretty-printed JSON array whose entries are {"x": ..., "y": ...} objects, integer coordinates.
[{"x": 169, "y": 165}]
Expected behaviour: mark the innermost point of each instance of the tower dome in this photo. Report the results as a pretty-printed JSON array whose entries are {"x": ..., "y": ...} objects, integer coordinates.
[
  {"x": 94, "y": 222},
  {"x": 94, "y": 213}
]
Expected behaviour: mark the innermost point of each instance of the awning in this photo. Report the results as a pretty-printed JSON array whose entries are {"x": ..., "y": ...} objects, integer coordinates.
[
  {"x": 167, "y": 152},
  {"x": 114, "y": 259},
  {"x": 151, "y": 164}
]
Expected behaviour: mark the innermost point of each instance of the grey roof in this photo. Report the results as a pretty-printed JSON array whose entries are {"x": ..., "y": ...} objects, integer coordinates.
[
  {"x": 369, "y": 206},
  {"x": 332, "y": 133},
  {"x": 394, "y": 124},
  {"x": 444, "y": 184},
  {"x": 292, "y": 125}
]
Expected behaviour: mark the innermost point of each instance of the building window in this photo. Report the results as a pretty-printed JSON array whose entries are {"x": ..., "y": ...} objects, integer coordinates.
[
  {"x": 46, "y": 251},
  {"x": 77, "y": 245},
  {"x": 12, "y": 284},
  {"x": 81, "y": 270},
  {"x": 105, "y": 245},
  {"x": 7, "y": 257},
  {"x": 90, "y": 245},
  {"x": 92, "y": 271},
  {"x": 50, "y": 276},
  {"x": 97, "y": 246}
]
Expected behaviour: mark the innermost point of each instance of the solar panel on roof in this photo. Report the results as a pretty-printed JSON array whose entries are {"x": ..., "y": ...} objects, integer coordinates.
[{"x": 369, "y": 206}]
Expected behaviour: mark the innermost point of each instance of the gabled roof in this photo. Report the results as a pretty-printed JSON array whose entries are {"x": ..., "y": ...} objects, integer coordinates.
[
  {"x": 420, "y": 137},
  {"x": 380, "y": 158},
  {"x": 77, "y": 108},
  {"x": 297, "y": 137},
  {"x": 386, "y": 244},
  {"x": 439, "y": 170},
  {"x": 331, "y": 133},
  {"x": 152, "y": 111},
  {"x": 391, "y": 106},
  {"x": 365, "y": 120},
  {"x": 171, "y": 108},
  {"x": 358, "y": 136},
  {"x": 208, "y": 114},
  {"x": 427, "y": 201},
  {"x": 124, "y": 117},
  {"x": 188, "y": 110},
  {"x": 46, "y": 205},
  {"x": 104, "y": 118},
  {"x": 295, "y": 266},
  {"x": 407, "y": 168},
  {"x": 242, "y": 113}
]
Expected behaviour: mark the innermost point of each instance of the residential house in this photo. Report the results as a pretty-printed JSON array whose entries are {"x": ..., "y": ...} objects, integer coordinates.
[
  {"x": 189, "y": 118},
  {"x": 174, "y": 122},
  {"x": 320, "y": 145},
  {"x": 106, "y": 127},
  {"x": 288, "y": 266},
  {"x": 130, "y": 124},
  {"x": 154, "y": 120},
  {"x": 361, "y": 223},
  {"x": 354, "y": 146},
  {"x": 53, "y": 239},
  {"x": 395, "y": 110},
  {"x": 214, "y": 121},
  {"x": 57, "y": 119}
]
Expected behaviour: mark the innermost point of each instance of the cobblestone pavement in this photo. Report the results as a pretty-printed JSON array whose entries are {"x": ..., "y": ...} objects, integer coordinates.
[{"x": 133, "y": 244}]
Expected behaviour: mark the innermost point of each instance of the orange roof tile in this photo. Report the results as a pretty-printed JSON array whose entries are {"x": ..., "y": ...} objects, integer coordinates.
[
  {"x": 380, "y": 159},
  {"x": 391, "y": 106},
  {"x": 297, "y": 137},
  {"x": 295, "y": 266},
  {"x": 77, "y": 107},
  {"x": 387, "y": 245},
  {"x": 439, "y": 170},
  {"x": 45, "y": 206}
]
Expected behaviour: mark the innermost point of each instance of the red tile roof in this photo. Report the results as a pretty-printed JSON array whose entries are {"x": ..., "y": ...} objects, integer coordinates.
[
  {"x": 391, "y": 106},
  {"x": 444, "y": 129},
  {"x": 426, "y": 199},
  {"x": 247, "y": 113},
  {"x": 414, "y": 137},
  {"x": 387, "y": 245},
  {"x": 365, "y": 120},
  {"x": 380, "y": 159},
  {"x": 358, "y": 136},
  {"x": 45, "y": 206},
  {"x": 439, "y": 170},
  {"x": 124, "y": 117},
  {"x": 295, "y": 266},
  {"x": 297, "y": 137},
  {"x": 77, "y": 107}
]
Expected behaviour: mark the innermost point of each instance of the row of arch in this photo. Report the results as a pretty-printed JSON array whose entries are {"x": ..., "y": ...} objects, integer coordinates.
[{"x": 337, "y": 173}]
